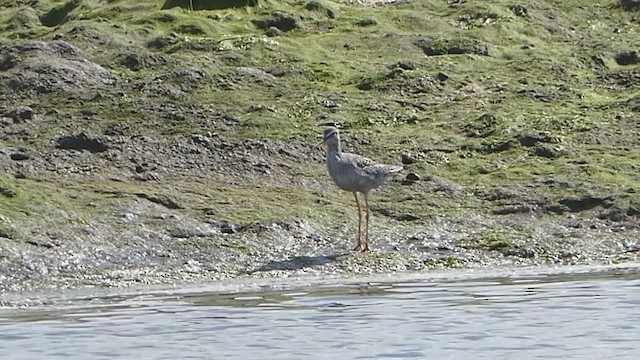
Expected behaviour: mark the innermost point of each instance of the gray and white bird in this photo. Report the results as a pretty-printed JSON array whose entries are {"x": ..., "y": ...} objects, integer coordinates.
[{"x": 356, "y": 174}]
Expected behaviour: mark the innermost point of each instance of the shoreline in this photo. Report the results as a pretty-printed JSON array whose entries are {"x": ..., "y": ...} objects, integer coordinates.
[
  {"x": 94, "y": 297},
  {"x": 141, "y": 145}
]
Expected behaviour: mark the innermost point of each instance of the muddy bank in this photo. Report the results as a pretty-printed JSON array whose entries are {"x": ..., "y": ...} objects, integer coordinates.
[
  {"x": 141, "y": 145},
  {"x": 139, "y": 240}
]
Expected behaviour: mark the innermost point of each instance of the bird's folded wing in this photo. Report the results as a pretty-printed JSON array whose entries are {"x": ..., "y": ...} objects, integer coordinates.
[
  {"x": 369, "y": 166},
  {"x": 361, "y": 161}
]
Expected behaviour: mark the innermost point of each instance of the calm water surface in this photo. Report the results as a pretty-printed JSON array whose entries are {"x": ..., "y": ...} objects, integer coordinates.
[{"x": 586, "y": 315}]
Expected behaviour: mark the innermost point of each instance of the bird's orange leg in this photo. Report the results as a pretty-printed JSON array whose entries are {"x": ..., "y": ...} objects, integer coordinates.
[
  {"x": 366, "y": 227},
  {"x": 359, "y": 246}
]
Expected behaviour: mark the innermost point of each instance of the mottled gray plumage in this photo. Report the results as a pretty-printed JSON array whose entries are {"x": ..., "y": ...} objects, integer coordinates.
[{"x": 356, "y": 174}]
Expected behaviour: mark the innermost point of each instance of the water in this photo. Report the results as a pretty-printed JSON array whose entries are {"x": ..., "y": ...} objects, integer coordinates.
[{"x": 585, "y": 315}]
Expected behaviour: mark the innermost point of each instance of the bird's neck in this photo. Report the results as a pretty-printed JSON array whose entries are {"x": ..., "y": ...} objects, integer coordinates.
[{"x": 334, "y": 148}]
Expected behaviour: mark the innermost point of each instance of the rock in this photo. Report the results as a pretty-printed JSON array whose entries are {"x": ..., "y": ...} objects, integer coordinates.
[
  {"x": 627, "y": 58},
  {"x": 367, "y": 22},
  {"x": 532, "y": 139},
  {"x": 8, "y": 61},
  {"x": 513, "y": 209},
  {"x": 163, "y": 200},
  {"x": 149, "y": 176},
  {"x": 58, "y": 14},
  {"x": 629, "y": 5},
  {"x": 20, "y": 114},
  {"x": 88, "y": 113},
  {"x": 615, "y": 214},
  {"x": 457, "y": 46},
  {"x": 411, "y": 178},
  {"x": 320, "y": 7},
  {"x": 19, "y": 156},
  {"x": 404, "y": 65},
  {"x": 407, "y": 217},
  {"x": 257, "y": 74},
  {"x": 81, "y": 141},
  {"x": 224, "y": 226},
  {"x": 495, "y": 194},
  {"x": 365, "y": 85},
  {"x": 161, "y": 42},
  {"x": 442, "y": 77},
  {"x": 185, "y": 232},
  {"x": 408, "y": 159},
  {"x": 7, "y": 192},
  {"x": 443, "y": 185},
  {"x": 191, "y": 75},
  {"x": 41, "y": 242},
  {"x": 538, "y": 94},
  {"x": 598, "y": 61},
  {"x": 137, "y": 61},
  {"x": 634, "y": 104},
  {"x": 484, "y": 126},
  {"x": 408, "y": 118},
  {"x": 7, "y": 233},
  {"x": 166, "y": 17},
  {"x": 208, "y": 4},
  {"x": 23, "y": 20},
  {"x": 281, "y": 20},
  {"x": 519, "y": 10},
  {"x": 401, "y": 217},
  {"x": 54, "y": 113},
  {"x": 273, "y": 32},
  {"x": 499, "y": 147},
  {"x": 190, "y": 29},
  {"x": 524, "y": 253},
  {"x": 556, "y": 209},
  {"x": 114, "y": 130},
  {"x": 52, "y": 66},
  {"x": 548, "y": 152},
  {"x": 394, "y": 73},
  {"x": 141, "y": 168}
]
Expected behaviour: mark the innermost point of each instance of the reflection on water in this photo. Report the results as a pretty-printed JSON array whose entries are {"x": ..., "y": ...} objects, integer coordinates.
[{"x": 570, "y": 316}]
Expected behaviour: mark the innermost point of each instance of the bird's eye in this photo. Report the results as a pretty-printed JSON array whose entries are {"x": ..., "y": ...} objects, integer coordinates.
[{"x": 329, "y": 136}]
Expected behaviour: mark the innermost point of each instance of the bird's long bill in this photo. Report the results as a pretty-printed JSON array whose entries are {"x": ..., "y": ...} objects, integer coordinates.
[{"x": 319, "y": 144}]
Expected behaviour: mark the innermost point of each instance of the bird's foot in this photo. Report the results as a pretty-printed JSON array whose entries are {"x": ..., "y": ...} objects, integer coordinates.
[{"x": 358, "y": 247}]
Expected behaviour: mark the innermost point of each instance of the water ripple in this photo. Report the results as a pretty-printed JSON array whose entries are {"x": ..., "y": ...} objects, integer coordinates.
[{"x": 569, "y": 316}]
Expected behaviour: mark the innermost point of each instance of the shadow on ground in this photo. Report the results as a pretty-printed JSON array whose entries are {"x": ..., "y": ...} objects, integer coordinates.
[{"x": 297, "y": 263}]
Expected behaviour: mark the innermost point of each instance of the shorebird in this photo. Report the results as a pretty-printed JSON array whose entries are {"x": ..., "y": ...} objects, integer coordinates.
[{"x": 356, "y": 174}]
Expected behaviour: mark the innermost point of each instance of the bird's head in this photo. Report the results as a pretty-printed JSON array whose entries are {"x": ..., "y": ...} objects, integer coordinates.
[{"x": 330, "y": 135}]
